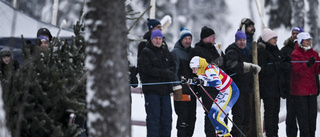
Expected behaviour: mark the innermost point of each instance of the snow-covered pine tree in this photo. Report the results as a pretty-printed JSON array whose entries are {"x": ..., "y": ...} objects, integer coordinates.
[
  {"x": 38, "y": 100},
  {"x": 108, "y": 91}
]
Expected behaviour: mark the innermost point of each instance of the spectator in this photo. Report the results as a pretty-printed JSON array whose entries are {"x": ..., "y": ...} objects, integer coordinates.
[
  {"x": 271, "y": 77},
  {"x": 8, "y": 68},
  {"x": 157, "y": 65},
  {"x": 184, "y": 100},
  {"x": 43, "y": 43},
  {"x": 247, "y": 27},
  {"x": 153, "y": 24},
  {"x": 7, "y": 64},
  {"x": 239, "y": 64},
  {"x": 212, "y": 76},
  {"x": 303, "y": 84},
  {"x": 44, "y": 32},
  {"x": 205, "y": 49},
  {"x": 289, "y": 44}
]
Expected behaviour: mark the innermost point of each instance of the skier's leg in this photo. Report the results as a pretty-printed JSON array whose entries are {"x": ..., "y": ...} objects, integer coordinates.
[{"x": 209, "y": 129}]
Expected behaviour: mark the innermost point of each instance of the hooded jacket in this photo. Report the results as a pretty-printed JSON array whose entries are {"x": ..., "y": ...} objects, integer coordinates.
[{"x": 13, "y": 64}]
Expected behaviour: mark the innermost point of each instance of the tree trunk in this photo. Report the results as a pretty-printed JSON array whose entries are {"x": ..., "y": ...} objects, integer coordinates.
[
  {"x": 256, "y": 91},
  {"x": 108, "y": 94}
]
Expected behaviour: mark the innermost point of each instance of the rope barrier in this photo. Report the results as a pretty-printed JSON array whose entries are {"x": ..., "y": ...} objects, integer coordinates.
[{"x": 156, "y": 83}]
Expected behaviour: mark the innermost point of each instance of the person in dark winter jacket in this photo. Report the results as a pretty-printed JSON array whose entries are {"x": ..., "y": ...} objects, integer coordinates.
[
  {"x": 287, "y": 49},
  {"x": 157, "y": 65},
  {"x": 153, "y": 24},
  {"x": 247, "y": 27},
  {"x": 184, "y": 100},
  {"x": 239, "y": 65},
  {"x": 304, "y": 89},
  {"x": 205, "y": 48},
  {"x": 273, "y": 65},
  {"x": 8, "y": 65}
]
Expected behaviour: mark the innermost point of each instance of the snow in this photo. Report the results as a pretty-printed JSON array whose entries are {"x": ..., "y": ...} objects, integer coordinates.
[{"x": 4, "y": 132}]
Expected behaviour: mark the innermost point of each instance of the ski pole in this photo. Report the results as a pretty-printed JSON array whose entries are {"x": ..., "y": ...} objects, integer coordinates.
[
  {"x": 197, "y": 97},
  {"x": 222, "y": 110}
]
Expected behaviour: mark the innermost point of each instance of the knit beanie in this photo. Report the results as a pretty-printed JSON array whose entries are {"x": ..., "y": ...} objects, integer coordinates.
[
  {"x": 156, "y": 33},
  {"x": 297, "y": 28},
  {"x": 205, "y": 32},
  {"x": 184, "y": 32},
  {"x": 267, "y": 34},
  {"x": 245, "y": 22},
  {"x": 152, "y": 23},
  {"x": 44, "y": 31},
  {"x": 240, "y": 35},
  {"x": 41, "y": 37}
]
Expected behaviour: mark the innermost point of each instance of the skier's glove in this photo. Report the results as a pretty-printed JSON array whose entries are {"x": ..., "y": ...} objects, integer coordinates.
[
  {"x": 310, "y": 62},
  {"x": 186, "y": 81},
  {"x": 198, "y": 82}
]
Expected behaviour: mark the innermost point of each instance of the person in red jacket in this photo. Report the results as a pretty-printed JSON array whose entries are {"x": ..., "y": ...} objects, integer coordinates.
[{"x": 303, "y": 84}]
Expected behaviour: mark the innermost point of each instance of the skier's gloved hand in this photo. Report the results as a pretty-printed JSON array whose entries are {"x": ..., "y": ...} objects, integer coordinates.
[
  {"x": 198, "y": 82},
  {"x": 186, "y": 81},
  {"x": 310, "y": 62}
]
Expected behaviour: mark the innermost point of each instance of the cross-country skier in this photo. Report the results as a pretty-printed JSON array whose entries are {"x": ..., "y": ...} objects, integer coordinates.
[{"x": 212, "y": 76}]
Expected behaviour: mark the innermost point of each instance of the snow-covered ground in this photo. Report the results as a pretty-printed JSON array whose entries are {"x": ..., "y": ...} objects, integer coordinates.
[{"x": 138, "y": 113}]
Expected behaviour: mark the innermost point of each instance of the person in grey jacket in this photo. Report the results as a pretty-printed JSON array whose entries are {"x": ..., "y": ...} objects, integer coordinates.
[{"x": 184, "y": 100}]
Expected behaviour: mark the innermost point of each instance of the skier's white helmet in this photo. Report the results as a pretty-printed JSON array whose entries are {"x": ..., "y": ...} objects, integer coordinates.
[{"x": 194, "y": 63}]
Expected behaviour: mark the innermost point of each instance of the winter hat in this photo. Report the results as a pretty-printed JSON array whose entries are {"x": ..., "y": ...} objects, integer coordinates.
[
  {"x": 297, "y": 28},
  {"x": 184, "y": 32},
  {"x": 44, "y": 31},
  {"x": 205, "y": 32},
  {"x": 156, "y": 33},
  {"x": 200, "y": 63},
  {"x": 245, "y": 22},
  {"x": 152, "y": 23},
  {"x": 41, "y": 37},
  {"x": 240, "y": 35},
  {"x": 5, "y": 52},
  {"x": 267, "y": 34},
  {"x": 303, "y": 36}
]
